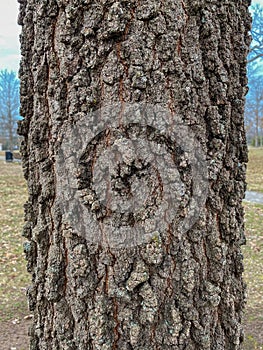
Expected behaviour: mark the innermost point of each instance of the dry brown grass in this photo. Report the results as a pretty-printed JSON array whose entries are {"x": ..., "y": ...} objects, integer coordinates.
[{"x": 14, "y": 278}]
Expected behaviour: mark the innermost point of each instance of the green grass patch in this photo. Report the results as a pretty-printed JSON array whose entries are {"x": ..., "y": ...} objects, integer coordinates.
[
  {"x": 251, "y": 343},
  {"x": 255, "y": 170}
]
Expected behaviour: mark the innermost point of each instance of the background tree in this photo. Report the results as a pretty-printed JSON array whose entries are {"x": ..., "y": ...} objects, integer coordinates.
[
  {"x": 254, "y": 98},
  {"x": 9, "y": 106},
  {"x": 183, "y": 288},
  {"x": 254, "y": 110},
  {"x": 256, "y": 47}
]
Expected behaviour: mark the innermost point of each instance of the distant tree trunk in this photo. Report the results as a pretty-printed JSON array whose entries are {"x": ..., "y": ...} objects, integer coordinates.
[
  {"x": 9, "y": 106},
  {"x": 10, "y": 129},
  {"x": 257, "y": 129},
  {"x": 181, "y": 289},
  {"x": 261, "y": 132}
]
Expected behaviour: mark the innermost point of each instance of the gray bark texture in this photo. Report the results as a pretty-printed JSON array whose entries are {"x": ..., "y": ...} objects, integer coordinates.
[{"x": 176, "y": 291}]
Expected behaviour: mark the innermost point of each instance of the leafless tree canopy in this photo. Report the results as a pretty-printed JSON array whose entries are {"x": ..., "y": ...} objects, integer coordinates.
[{"x": 9, "y": 107}]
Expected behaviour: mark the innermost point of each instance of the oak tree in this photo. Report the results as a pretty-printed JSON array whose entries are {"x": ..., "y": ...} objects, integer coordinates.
[{"x": 134, "y": 153}]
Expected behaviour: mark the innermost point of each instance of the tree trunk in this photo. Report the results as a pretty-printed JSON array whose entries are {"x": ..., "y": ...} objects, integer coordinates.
[
  {"x": 257, "y": 129},
  {"x": 96, "y": 77},
  {"x": 10, "y": 129},
  {"x": 261, "y": 132}
]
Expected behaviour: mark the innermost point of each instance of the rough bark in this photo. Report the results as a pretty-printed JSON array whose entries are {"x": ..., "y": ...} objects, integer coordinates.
[{"x": 176, "y": 291}]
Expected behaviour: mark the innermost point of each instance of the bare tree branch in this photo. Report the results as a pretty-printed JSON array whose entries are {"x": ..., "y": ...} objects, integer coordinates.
[{"x": 255, "y": 58}]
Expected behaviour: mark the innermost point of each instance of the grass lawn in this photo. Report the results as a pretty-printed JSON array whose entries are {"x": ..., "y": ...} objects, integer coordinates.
[
  {"x": 255, "y": 170},
  {"x": 253, "y": 259},
  {"x": 14, "y": 278}
]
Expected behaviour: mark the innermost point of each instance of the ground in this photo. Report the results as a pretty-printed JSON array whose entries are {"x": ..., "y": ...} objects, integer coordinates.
[
  {"x": 15, "y": 318},
  {"x": 14, "y": 315},
  {"x": 14, "y": 336},
  {"x": 255, "y": 170}
]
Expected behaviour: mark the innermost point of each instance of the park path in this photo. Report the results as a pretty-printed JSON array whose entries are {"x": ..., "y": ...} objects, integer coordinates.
[{"x": 254, "y": 197}]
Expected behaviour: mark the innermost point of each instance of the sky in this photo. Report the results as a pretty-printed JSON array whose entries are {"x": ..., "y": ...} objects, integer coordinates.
[{"x": 9, "y": 34}]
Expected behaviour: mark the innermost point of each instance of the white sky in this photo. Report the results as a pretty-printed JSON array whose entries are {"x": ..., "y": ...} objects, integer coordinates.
[{"x": 9, "y": 34}]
